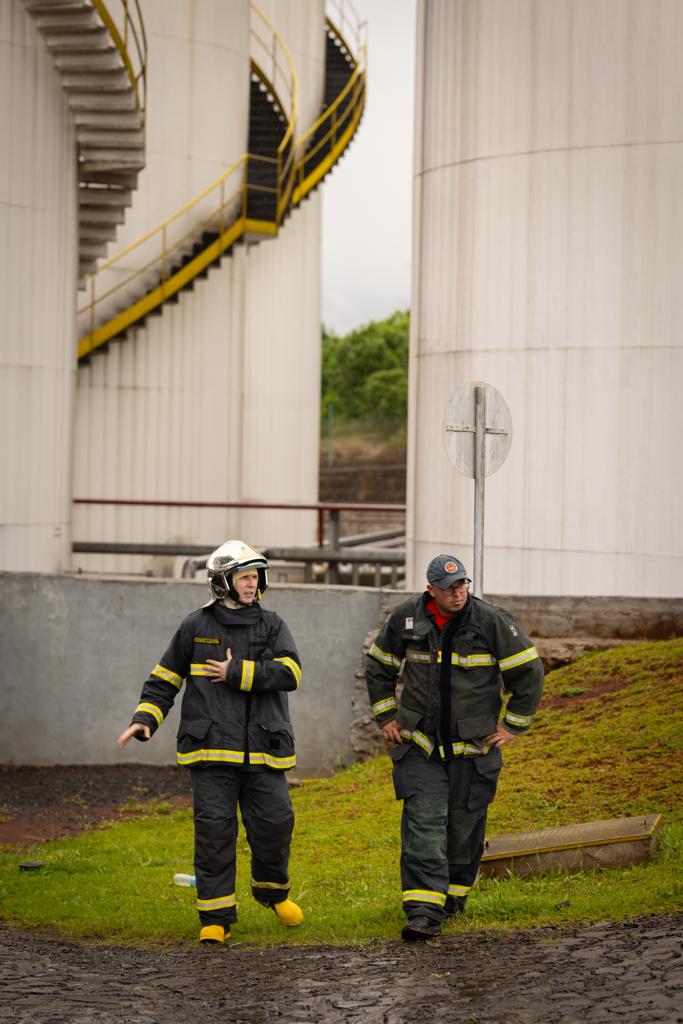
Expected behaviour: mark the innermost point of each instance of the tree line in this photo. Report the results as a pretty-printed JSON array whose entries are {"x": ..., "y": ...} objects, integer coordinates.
[{"x": 365, "y": 375}]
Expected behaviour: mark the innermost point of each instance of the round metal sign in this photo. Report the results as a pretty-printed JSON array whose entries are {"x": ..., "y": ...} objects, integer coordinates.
[{"x": 460, "y": 422}]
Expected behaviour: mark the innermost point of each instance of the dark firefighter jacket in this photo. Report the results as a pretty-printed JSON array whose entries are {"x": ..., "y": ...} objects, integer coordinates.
[
  {"x": 453, "y": 681},
  {"x": 244, "y": 720}
]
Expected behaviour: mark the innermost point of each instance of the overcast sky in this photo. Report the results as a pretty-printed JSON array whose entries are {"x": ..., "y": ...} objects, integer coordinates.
[{"x": 367, "y": 198}]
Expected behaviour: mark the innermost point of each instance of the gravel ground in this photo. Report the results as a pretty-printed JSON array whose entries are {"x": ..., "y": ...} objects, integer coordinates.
[
  {"x": 613, "y": 972},
  {"x": 628, "y": 972}
]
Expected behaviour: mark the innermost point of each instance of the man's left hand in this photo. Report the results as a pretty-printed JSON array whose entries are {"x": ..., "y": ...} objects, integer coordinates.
[
  {"x": 500, "y": 736},
  {"x": 218, "y": 670}
]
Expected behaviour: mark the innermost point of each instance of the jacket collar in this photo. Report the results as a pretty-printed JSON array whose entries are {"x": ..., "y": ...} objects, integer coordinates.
[
  {"x": 243, "y": 616},
  {"x": 424, "y": 621}
]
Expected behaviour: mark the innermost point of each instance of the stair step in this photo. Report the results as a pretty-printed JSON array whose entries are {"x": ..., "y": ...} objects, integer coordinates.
[
  {"x": 96, "y": 234},
  {"x": 99, "y": 197},
  {"x": 101, "y": 214},
  {"x": 102, "y": 101},
  {"x": 92, "y": 38},
  {"x": 91, "y": 250},
  {"x": 117, "y": 120},
  {"x": 119, "y": 179},
  {"x": 108, "y": 59},
  {"x": 74, "y": 21},
  {"x": 57, "y": 6},
  {"x": 130, "y": 139},
  {"x": 86, "y": 266},
  {"x": 113, "y": 160}
]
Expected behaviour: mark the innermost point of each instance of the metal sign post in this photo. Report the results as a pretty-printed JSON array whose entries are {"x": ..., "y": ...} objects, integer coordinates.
[{"x": 477, "y": 436}]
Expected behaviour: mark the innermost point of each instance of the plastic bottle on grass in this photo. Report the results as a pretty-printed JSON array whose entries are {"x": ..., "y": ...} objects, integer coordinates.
[{"x": 186, "y": 880}]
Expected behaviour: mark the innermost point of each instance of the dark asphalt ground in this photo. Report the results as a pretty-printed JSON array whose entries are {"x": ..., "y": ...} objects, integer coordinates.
[{"x": 630, "y": 972}]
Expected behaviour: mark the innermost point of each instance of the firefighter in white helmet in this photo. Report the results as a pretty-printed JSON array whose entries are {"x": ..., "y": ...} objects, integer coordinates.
[{"x": 239, "y": 661}]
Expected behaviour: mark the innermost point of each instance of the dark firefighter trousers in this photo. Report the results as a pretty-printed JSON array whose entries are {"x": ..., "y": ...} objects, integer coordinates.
[
  {"x": 266, "y": 809},
  {"x": 445, "y": 805}
]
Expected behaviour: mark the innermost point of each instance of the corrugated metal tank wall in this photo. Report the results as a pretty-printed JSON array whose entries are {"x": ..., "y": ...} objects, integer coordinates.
[
  {"x": 215, "y": 400},
  {"x": 282, "y": 322},
  {"x": 548, "y": 219},
  {"x": 38, "y": 224}
]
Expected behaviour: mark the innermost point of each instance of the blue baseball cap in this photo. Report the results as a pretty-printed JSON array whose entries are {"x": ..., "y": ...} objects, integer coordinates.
[{"x": 445, "y": 570}]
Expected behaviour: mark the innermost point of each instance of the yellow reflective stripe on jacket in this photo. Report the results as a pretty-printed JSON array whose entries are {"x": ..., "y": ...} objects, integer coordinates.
[
  {"x": 218, "y": 903},
  {"x": 236, "y": 757},
  {"x": 283, "y": 763},
  {"x": 388, "y": 704},
  {"x": 226, "y": 756},
  {"x": 523, "y": 721},
  {"x": 384, "y": 656},
  {"x": 151, "y": 709},
  {"x": 472, "y": 660},
  {"x": 268, "y": 885},
  {"x": 461, "y": 749},
  {"x": 247, "y": 679},
  {"x": 169, "y": 677},
  {"x": 199, "y": 668},
  {"x": 424, "y": 896},
  {"x": 468, "y": 660},
  {"x": 518, "y": 659},
  {"x": 418, "y": 737},
  {"x": 458, "y": 890},
  {"x": 422, "y": 657},
  {"x": 292, "y": 666}
]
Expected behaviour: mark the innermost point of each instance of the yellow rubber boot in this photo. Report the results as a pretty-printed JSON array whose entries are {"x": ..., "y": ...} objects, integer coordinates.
[
  {"x": 213, "y": 933},
  {"x": 288, "y": 913}
]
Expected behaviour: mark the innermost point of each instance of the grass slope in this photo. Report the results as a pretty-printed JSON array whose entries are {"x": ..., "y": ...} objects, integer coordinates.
[{"x": 605, "y": 744}]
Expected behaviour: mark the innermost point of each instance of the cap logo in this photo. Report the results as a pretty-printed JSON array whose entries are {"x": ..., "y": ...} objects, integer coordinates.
[{"x": 450, "y": 567}]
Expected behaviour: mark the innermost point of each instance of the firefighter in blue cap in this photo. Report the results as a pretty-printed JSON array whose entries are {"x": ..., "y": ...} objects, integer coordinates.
[
  {"x": 458, "y": 656},
  {"x": 239, "y": 661}
]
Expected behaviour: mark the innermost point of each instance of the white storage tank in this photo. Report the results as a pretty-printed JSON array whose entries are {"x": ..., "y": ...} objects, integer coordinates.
[{"x": 548, "y": 227}]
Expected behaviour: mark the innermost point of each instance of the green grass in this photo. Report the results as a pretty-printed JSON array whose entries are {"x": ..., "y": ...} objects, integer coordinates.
[{"x": 605, "y": 744}]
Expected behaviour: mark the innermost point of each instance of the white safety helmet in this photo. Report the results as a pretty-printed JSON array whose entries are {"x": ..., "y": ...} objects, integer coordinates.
[{"x": 231, "y": 557}]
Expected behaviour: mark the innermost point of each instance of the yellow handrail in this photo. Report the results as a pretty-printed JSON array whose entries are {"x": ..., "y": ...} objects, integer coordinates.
[
  {"x": 121, "y": 43},
  {"x": 227, "y": 217},
  {"x": 342, "y": 115}
]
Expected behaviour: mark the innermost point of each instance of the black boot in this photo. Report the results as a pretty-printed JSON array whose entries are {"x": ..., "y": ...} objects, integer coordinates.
[
  {"x": 419, "y": 929},
  {"x": 455, "y": 905}
]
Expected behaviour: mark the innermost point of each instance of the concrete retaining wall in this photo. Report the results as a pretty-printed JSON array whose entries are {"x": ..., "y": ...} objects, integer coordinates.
[{"x": 76, "y": 650}]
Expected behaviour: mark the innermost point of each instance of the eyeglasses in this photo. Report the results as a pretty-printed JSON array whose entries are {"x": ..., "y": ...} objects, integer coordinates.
[{"x": 455, "y": 588}]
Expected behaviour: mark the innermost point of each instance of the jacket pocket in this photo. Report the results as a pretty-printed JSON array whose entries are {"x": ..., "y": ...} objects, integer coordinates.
[
  {"x": 191, "y": 732},
  {"x": 478, "y": 727},
  {"x": 279, "y": 742},
  {"x": 399, "y": 751},
  {"x": 409, "y": 718}
]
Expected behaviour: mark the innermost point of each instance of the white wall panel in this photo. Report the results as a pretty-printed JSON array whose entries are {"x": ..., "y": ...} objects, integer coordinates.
[
  {"x": 548, "y": 218},
  {"x": 38, "y": 224}
]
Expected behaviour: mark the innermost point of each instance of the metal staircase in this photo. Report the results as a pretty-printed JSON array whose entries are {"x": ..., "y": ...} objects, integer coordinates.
[
  {"x": 251, "y": 200},
  {"x": 101, "y": 59}
]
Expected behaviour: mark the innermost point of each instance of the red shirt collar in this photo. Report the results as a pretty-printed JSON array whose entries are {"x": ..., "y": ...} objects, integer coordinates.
[{"x": 440, "y": 620}]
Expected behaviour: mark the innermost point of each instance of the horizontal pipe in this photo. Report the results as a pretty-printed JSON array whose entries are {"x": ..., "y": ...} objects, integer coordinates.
[
  {"x": 371, "y": 538},
  {"x": 377, "y": 556},
  {"x": 318, "y": 506}
]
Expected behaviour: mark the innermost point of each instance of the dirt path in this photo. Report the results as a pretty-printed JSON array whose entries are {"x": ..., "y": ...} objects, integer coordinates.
[{"x": 631, "y": 972}]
